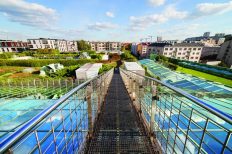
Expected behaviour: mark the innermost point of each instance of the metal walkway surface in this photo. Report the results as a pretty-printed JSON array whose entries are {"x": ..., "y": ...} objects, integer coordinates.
[{"x": 118, "y": 129}]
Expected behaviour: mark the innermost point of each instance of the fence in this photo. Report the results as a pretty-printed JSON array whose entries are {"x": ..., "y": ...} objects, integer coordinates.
[
  {"x": 180, "y": 122},
  {"x": 64, "y": 126}
]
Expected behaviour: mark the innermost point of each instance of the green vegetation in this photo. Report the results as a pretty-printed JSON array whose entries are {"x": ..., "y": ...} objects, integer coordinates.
[
  {"x": 56, "y": 56},
  {"x": 107, "y": 67},
  {"x": 6, "y": 55},
  {"x": 66, "y": 72},
  {"x": 47, "y": 51},
  {"x": 127, "y": 56},
  {"x": 82, "y": 45},
  {"x": 153, "y": 56},
  {"x": 206, "y": 76},
  {"x": 43, "y": 62}
]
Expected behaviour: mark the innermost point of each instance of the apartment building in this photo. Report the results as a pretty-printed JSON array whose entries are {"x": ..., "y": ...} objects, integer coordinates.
[
  {"x": 105, "y": 46},
  {"x": 206, "y": 39},
  {"x": 140, "y": 49},
  {"x": 225, "y": 53},
  {"x": 12, "y": 46},
  {"x": 210, "y": 52},
  {"x": 184, "y": 51},
  {"x": 61, "y": 45}
]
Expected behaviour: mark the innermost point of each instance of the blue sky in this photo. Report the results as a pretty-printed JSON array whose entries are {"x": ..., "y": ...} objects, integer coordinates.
[{"x": 113, "y": 20}]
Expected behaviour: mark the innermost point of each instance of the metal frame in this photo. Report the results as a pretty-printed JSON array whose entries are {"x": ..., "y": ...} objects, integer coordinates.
[
  {"x": 172, "y": 108},
  {"x": 74, "y": 96}
]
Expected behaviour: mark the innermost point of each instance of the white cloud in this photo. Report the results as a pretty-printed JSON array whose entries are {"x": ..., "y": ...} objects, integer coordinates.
[
  {"x": 181, "y": 31},
  {"x": 205, "y": 9},
  {"x": 110, "y": 14},
  {"x": 156, "y": 2},
  {"x": 99, "y": 26},
  {"x": 142, "y": 22},
  {"x": 26, "y": 13}
]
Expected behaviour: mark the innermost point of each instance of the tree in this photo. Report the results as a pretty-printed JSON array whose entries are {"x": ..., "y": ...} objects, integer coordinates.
[
  {"x": 152, "y": 56},
  {"x": 82, "y": 45}
]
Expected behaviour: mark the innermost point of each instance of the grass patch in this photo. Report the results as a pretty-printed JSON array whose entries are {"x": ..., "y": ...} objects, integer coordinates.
[{"x": 206, "y": 76}]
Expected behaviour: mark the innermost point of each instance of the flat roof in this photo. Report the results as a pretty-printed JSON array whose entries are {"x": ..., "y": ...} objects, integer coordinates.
[{"x": 133, "y": 66}]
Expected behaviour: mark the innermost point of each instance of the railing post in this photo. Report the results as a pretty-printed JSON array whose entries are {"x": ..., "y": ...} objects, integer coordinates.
[
  {"x": 99, "y": 94},
  {"x": 153, "y": 104},
  {"x": 133, "y": 90},
  {"x": 130, "y": 86},
  {"x": 89, "y": 106},
  {"x": 141, "y": 93}
]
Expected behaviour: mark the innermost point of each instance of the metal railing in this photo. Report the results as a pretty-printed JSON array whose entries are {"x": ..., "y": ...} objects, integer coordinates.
[
  {"x": 64, "y": 126},
  {"x": 179, "y": 122}
]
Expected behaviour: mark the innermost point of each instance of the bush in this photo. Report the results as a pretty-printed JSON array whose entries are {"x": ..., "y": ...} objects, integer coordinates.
[
  {"x": 96, "y": 56},
  {"x": 161, "y": 58},
  {"x": 128, "y": 56},
  {"x": 47, "y": 51},
  {"x": 6, "y": 55},
  {"x": 55, "y": 56},
  {"x": 43, "y": 62},
  {"x": 66, "y": 72},
  {"x": 105, "y": 68}
]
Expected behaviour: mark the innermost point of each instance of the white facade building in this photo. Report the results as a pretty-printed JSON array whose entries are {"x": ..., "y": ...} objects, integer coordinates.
[
  {"x": 184, "y": 51},
  {"x": 105, "y": 46},
  {"x": 12, "y": 46},
  {"x": 61, "y": 45}
]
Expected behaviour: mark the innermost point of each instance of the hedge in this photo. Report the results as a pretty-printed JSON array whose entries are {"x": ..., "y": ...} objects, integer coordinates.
[
  {"x": 43, "y": 62},
  {"x": 189, "y": 64},
  {"x": 55, "y": 56}
]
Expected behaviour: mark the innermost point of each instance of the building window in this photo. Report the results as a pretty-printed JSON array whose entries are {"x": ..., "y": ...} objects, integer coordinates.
[
  {"x": 191, "y": 58},
  {"x": 179, "y": 53},
  {"x": 194, "y": 48},
  {"x": 197, "y": 53},
  {"x": 193, "y": 53},
  {"x": 170, "y": 53},
  {"x": 166, "y": 49},
  {"x": 199, "y": 48},
  {"x": 185, "y": 48},
  {"x": 165, "y": 53},
  {"x": 180, "y": 48},
  {"x": 196, "y": 57},
  {"x": 171, "y": 48}
]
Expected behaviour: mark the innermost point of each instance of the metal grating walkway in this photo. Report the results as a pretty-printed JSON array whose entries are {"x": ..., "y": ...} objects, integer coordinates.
[{"x": 118, "y": 129}]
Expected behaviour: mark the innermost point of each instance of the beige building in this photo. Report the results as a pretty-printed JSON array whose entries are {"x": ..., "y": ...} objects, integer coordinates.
[
  {"x": 183, "y": 51},
  {"x": 105, "y": 46},
  {"x": 225, "y": 53}
]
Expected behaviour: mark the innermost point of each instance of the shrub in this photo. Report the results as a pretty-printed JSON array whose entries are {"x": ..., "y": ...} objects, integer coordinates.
[
  {"x": 43, "y": 62},
  {"x": 66, "y": 72},
  {"x": 128, "y": 56},
  {"x": 7, "y": 55},
  {"x": 105, "y": 68},
  {"x": 96, "y": 56}
]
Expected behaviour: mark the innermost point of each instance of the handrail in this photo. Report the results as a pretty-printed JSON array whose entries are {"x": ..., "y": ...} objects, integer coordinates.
[
  {"x": 224, "y": 116},
  {"x": 13, "y": 138}
]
